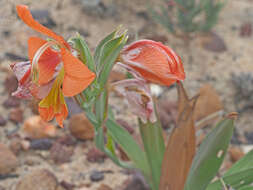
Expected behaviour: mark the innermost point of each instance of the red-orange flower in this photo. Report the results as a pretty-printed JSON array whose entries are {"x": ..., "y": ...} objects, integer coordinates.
[
  {"x": 154, "y": 61},
  {"x": 53, "y": 72}
]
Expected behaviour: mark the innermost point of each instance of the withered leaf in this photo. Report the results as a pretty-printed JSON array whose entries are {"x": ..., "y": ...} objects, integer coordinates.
[{"x": 180, "y": 149}]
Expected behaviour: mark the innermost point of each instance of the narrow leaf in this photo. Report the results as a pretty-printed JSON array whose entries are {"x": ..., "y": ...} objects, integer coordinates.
[
  {"x": 236, "y": 180},
  {"x": 246, "y": 188},
  {"x": 181, "y": 146},
  {"x": 109, "y": 55},
  {"x": 128, "y": 144},
  {"x": 153, "y": 142},
  {"x": 244, "y": 163},
  {"x": 210, "y": 156},
  {"x": 102, "y": 43},
  {"x": 84, "y": 51}
]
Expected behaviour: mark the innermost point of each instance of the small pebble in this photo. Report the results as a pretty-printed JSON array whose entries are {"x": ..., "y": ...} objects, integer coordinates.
[
  {"x": 10, "y": 83},
  {"x": 95, "y": 155},
  {"x": 8, "y": 161},
  {"x": 80, "y": 127},
  {"x": 11, "y": 102},
  {"x": 41, "y": 144},
  {"x": 96, "y": 176},
  {"x": 60, "y": 153},
  {"x": 16, "y": 115},
  {"x": 40, "y": 179},
  {"x": 2, "y": 121}
]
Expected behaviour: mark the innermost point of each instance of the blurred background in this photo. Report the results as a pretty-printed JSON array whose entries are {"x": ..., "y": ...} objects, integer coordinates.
[{"x": 214, "y": 39}]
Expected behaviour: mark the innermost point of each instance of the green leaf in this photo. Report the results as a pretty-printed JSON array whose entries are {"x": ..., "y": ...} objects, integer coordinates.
[
  {"x": 83, "y": 49},
  {"x": 236, "y": 180},
  {"x": 153, "y": 142},
  {"x": 99, "y": 48},
  {"x": 246, "y": 188},
  {"x": 109, "y": 55},
  {"x": 128, "y": 144},
  {"x": 244, "y": 163},
  {"x": 210, "y": 156}
]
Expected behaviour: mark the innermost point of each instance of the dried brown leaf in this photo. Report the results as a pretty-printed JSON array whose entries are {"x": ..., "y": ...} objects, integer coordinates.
[{"x": 180, "y": 149}]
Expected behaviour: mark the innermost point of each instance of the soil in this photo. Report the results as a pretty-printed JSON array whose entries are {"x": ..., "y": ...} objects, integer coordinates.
[{"x": 70, "y": 16}]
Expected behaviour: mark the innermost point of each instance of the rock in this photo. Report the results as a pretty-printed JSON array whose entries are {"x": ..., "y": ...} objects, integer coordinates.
[
  {"x": 16, "y": 115},
  {"x": 67, "y": 140},
  {"x": 95, "y": 155},
  {"x": 136, "y": 183},
  {"x": 104, "y": 187},
  {"x": 8, "y": 161},
  {"x": 2, "y": 121},
  {"x": 61, "y": 154},
  {"x": 213, "y": 42},
  {"x": 96, "y": 176},
  {"x": 208, "y": 104},
  {"x": 11, "y": 102},
  {"x": 36, "y": 128},
  {"x": 16, "y": 145},
  {"x": 80, "y": 127},
  {"x": 41, "y": 144},
  {"x": 41, "y": 179},
  {"x": 235, "y": 153},
  {"x": 25, "y": 145},
  {"x": 10, "y": 83},
  {"x": 67, "y": 186},
  {"x": 246, "y": 29}
]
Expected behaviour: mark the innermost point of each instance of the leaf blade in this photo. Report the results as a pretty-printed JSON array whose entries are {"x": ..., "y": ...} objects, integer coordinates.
[{"x": 210, "y": 156}]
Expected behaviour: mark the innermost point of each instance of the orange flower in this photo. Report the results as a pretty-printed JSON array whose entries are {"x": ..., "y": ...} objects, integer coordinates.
[
  {"x": 154, "y": 61},
  {"x": 53, "y": 73}
]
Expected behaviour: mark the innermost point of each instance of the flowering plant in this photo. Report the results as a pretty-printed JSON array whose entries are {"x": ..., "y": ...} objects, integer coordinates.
[{"x": 59, "y": 68}]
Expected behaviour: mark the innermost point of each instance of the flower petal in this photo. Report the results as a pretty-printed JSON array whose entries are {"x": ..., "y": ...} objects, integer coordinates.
[
  {"x": 22, "y": 71},
  {"x": 46, "y": 113},
  {"x": 25, "y": 14},
  {"x": 139, "y": 98},
  {"x": 34, "y": 43},
  {"x": 53, "y": 105},
  {"x": 61, "y": 116},
  {"x": 40, "y": 91},
  {"x": 77, "y": 76},
  {"x": 47, "y": 61},
  {"x": 154, "y": 61}
]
